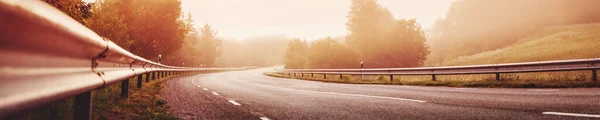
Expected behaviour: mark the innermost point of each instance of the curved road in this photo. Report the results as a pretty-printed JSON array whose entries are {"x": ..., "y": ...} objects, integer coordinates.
[{"x": 251, "y": 95}]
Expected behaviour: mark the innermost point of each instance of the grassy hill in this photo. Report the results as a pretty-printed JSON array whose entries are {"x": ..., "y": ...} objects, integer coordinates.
[{"x": 551, "y": 43}]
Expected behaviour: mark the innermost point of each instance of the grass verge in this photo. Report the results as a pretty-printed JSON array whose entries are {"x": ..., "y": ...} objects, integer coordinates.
[
  {"x": 574, "y": 79},
  {"x": 142, "y": 104}
]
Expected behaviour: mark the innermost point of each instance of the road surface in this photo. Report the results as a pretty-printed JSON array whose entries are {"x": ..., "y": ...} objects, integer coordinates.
[{"x": 251, "y": 95}]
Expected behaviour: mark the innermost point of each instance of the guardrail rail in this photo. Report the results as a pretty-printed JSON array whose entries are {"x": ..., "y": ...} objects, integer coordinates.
[
  {"x": 47, "y": 56},
  {"x": 545, "y": 66}
]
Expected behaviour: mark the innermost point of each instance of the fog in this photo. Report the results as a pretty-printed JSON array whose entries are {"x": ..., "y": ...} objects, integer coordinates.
[{"x": 473, "y": 26}]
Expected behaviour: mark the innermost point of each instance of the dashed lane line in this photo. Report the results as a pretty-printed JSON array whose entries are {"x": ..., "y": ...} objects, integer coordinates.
[
  {"x": 543, "y": 90},
  {"x": 466, "y": 88},
  {"x": 215, "y": 93},
  {"x": 264, "y": 118},
  {"x": 233, "y": 102},
  {"x": 571, "y": 114}
]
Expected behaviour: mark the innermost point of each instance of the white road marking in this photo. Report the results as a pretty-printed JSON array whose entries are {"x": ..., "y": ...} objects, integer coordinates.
[
  {"x": 205, "y": 89},
  {"x": 571, "y": 114},
  {"x": 233, "y": 102},
  {"x": 466, "y": 88},
  {"x": 215, "y": 93},
  {"x": 264, "y": 118},
  {"x": 543, "y": 90},
  {"x": 346, "y": 94}
]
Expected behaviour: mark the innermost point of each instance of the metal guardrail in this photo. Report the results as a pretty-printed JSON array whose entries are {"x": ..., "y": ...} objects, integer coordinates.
[
  {"x": 46, "y": 56},
  {"x": 497, "y": 69}
]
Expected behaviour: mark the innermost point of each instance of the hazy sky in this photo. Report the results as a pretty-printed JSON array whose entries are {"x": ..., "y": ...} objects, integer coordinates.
[{"x": 305, "y": 19}]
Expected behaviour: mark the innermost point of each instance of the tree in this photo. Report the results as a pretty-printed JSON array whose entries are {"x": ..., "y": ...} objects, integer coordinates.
[
  {"x": 77, "y": 9},
  {"x": 296, "y": 54},
  {"x": 367, "y": 24},
  {"x": 209, "y": 45},
  {"x": 107, "y": 22},
  {"x": 382, "y": 41},
  {"x": 156, "y": 26},
  {"x": 329, "y": 54},
  {"x": 405, "y": 45}
]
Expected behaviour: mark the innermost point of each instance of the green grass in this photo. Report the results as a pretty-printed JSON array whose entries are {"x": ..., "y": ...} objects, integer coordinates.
[
  {"x": 552, "y": 43},
  {"x": 142, "y": 104}
]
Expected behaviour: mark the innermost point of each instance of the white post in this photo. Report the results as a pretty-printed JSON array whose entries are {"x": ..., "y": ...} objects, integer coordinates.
[{"x": 362, "y": 77}]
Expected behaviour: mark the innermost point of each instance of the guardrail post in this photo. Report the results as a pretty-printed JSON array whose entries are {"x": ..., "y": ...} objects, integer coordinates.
[
  {"x": 83, "y": 106},
  {"x": 125, "y": 88},
  {"x": 324, "y": 76},
  {"x": 391, "y": 77},
  {"x": 594, "y": 75},
  {"x": 153, "y": 75},
  {"x": 497, "y": 76},
  {"x": 139, "y": 83},
  {"x": 433, "y": 78},
  {"x": 147, "y": 77},
  {"x": 341, "y": 77},
  {"x": 312, "y": 75}
]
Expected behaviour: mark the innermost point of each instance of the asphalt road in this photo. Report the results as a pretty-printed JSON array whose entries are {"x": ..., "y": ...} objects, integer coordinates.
[{"x": 251, "y": 95}]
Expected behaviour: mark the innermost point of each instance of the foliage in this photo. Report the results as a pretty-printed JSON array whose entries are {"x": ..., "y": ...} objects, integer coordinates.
[
  {"x": 156, "y": 27},
  {"x": 296, "y": 54},
  {"x": 382, "y": 41},
  {"x": 327, "y": 53},
  {"x": 108, "y": 23},
  {"x": 77, "y": 9},
  {"x": 199, "y": 49},
  {"x": 367, "y": 22},
  {"x": 404, "y": 46}
]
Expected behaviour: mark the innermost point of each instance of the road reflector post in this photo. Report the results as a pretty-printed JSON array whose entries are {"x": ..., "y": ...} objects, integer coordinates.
[
  {"x": 139, "y": 82},
  {"x": 594, "y": 75},
  {"x": 83, "y": 106},
  {"x": 497, "y": 76},
  {"x": 433, "y": 77},
  {"x": 125, "y": 88}
]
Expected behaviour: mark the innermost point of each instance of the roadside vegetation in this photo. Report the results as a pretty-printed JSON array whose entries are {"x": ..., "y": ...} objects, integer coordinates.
[
  {"x": 551, "y": 43},
  {"x": 142, "y": 104},
  {"x": 466, "y": 35}
]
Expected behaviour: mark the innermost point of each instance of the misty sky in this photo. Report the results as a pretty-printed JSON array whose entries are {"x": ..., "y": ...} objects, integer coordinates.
[{"x": 305, "y": 19}]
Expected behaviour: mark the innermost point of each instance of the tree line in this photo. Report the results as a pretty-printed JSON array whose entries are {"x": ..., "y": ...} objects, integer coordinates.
[
  {"x": 147, "y": 28},
  {"x": 374, "y": 37}
]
